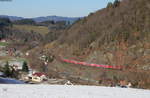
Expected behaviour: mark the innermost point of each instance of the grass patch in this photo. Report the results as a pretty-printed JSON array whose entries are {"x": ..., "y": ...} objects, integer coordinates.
[
  {"x": 39, "y": 29},
  {"x": 21, "y": 59},
  {"x": 3, "y": 43}
]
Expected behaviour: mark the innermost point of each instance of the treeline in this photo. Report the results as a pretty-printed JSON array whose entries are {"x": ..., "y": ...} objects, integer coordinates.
[
  {"x": 114, "y": 4},
  {"x": 25, "y": 22},
  {"x": 44, "y": 23},
  {"x": 7, "y": 30},
  {"x": 5, "y": 23}
]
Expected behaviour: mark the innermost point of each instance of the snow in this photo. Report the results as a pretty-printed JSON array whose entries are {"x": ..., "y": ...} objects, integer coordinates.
[{"x": 65, "y": 91}]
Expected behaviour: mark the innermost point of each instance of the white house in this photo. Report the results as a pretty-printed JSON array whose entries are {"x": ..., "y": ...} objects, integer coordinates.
[{"x": 16, "y": 64}]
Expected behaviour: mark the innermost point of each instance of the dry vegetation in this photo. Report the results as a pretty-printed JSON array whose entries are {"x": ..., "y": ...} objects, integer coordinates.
[{"x": 39, "y": 29}]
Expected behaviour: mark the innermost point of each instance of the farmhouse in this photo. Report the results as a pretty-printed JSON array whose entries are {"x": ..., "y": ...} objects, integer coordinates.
[{"x": 37, "y": 77}]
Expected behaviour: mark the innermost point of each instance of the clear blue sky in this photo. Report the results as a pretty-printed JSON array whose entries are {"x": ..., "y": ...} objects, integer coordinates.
[{"x": 35, "y": 8}]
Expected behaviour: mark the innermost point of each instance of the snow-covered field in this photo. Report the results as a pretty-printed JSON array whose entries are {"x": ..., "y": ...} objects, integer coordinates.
[{"x": 64, "y": 91}]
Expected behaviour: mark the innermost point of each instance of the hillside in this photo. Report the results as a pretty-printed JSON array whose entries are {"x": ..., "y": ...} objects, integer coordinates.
[
  {"x": 118, "y": 30},
  {"x": 116, "y": 35},
  {"x": 112, "y": 23}
]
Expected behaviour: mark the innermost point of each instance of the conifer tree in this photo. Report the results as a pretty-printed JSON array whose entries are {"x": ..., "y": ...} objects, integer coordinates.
[
  {"x": 116, "y": 3},
  {"x": 7, "y": 70},
  {"x": 25, "y": 67}
]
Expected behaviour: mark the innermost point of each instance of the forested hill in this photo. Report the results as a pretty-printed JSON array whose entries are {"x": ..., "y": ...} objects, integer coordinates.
[
  {"x": 121, "y": 32},
  {"x": 128, "y": 20}
]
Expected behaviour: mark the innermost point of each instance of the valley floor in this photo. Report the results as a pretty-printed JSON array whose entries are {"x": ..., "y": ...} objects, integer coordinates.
[{"x": 65, "y": 91}]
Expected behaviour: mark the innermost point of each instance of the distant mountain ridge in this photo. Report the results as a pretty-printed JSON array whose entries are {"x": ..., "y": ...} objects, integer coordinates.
[
  {"x": 46, "y": 18},
  {"x": 56, "y": 18},
  {"x": 12, "y": 18}
]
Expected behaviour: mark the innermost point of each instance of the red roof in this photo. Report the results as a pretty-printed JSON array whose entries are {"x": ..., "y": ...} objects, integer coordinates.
[{"x": 38, "y": 74}]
